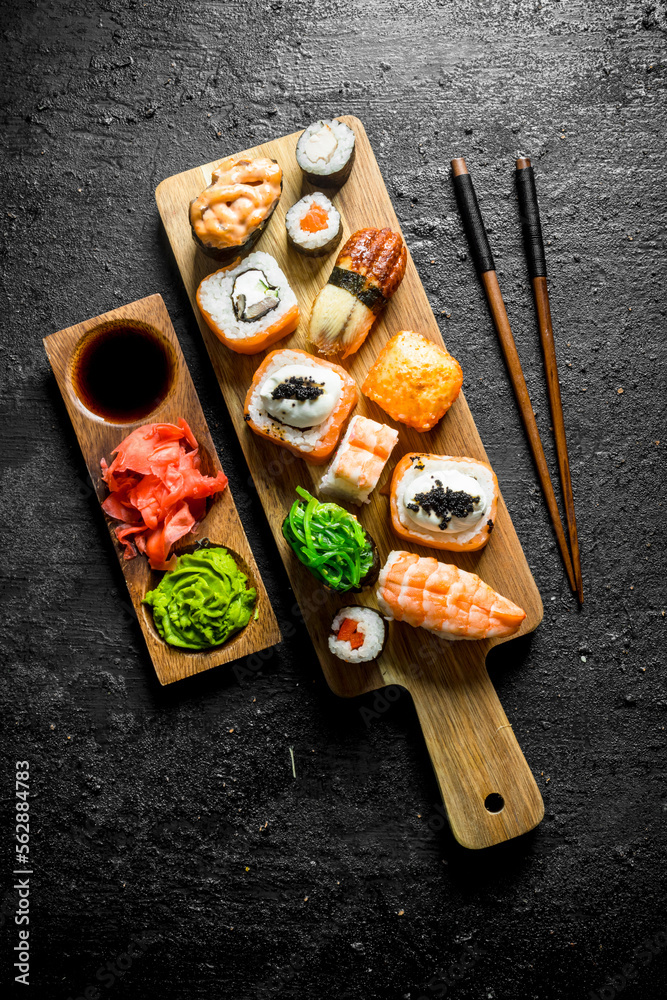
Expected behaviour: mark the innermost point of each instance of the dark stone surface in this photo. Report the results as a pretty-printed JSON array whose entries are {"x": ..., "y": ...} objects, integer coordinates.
[{"x": 172, "y": 816}]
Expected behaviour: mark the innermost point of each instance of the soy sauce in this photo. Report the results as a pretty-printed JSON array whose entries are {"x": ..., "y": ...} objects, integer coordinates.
[{"x": 123, "y": 371}]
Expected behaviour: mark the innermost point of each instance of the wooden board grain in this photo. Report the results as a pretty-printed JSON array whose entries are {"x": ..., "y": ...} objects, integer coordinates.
[
  {"x": 222, "y": 526},
  {"x": 472, "y": 745}
]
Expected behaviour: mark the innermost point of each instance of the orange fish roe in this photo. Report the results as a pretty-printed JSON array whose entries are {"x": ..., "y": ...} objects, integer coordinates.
[
  {"x": 315, "y": 219},
  {"x": 348, "y": 633}
]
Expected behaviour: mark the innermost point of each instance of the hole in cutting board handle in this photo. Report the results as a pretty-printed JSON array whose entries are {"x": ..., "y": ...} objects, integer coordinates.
[{"x": 494, "y": 803}]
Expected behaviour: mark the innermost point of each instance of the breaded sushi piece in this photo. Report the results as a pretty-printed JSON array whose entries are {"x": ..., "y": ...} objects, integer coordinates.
[
  {"x": 358, "y": 463},
  {"x": 414, "y": 380},
  {"x": 230, "y": 215},
  {"x": 251, "y": 306},
  {"x": 368, "y": 270},
  {"x": 444, "y": 501},
  {"x": 325, "y": 152},
  {"x": 444, "y": 599},
  {"x": 313, "y": 226},
  {"x": 300, "y": 403}
]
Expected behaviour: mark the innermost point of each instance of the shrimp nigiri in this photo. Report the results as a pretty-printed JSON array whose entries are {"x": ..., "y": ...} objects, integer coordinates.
[
  {"x": 359, "y": 461},
  {"x": 444, "y": 599}
]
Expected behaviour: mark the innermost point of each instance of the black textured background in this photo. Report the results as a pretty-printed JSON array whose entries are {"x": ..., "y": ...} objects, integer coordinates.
[{"x": 172, "y": 816}]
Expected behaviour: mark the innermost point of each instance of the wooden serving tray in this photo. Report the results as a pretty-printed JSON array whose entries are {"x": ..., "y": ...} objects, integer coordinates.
[
  {"x": 472, "y": 746},
  {"x": 222, "y": 525}
]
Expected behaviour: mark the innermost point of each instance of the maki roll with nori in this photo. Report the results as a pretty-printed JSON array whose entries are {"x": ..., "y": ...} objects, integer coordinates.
[
  {"x": 325, "y": 152},
  {"x": 357, "y": 634},
  {"x": 230, "y": 215},
  {"x": 331, "y": 543},
  {"x": 313, "y": 226}
]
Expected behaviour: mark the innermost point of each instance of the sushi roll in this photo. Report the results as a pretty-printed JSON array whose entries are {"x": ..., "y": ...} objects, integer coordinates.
[
  {"x": 251, "y": 306},
  {"x": 368, "y": 270},
  {"x": 359, "y": 461},
  {"x": 446, "y": 502},
  {"x": 313, "y": 226},
  {"x": 300, "y": 403},
  {"x": 325, "y": 152},
  {"x": 230, "y": 215},
  {"x": 331, "y": 543},
  {"x": 357, "y": 635},
  {"x": 444, "y": 599},
  {"x": 413, "y": 380}
]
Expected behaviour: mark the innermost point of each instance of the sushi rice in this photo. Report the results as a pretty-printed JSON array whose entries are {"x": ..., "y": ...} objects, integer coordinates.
[
  {"x": 215, "y": 295},
  {"x": 369, "y": 624},
  {"x": 322, "y": 241}
]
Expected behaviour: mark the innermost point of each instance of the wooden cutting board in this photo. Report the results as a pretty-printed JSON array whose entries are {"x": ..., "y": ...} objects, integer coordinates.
[
  {"x": 488, "y": 790},
  {"x": 222, "y": 525}
]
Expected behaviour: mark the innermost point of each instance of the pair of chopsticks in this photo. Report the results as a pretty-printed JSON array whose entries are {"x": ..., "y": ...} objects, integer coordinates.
[{"x": 486, "y": 268}]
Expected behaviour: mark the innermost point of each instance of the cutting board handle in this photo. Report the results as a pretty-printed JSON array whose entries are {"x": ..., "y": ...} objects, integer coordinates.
[{"x": 488, "y": 790}]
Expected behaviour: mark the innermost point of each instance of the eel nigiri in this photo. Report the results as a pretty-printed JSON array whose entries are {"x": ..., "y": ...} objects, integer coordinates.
[
  {"x": 444, "y": 599},
  {"x": 368, "y": 270}
]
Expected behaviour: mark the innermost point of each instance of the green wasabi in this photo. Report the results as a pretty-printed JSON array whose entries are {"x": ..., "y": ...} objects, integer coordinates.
[{"x": 202, "y": 601}]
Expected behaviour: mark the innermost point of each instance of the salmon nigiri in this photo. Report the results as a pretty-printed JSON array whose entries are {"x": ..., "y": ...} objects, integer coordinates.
[{"x": 444, "y": 599}]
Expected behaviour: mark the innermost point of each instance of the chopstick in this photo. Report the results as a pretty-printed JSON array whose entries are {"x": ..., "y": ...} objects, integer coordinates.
[
  {"x": 537, "y": 268},
  {"x": 486, "y": 268}
]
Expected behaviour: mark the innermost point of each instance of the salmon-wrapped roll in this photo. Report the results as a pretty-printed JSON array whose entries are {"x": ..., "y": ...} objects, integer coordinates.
[
  {"x": 444, "y": 599},
  {"x": 445, "y": 501},
  {"x": 368, "y": 270},
  {"x": 251, "y": 306},
  {"x": 300, "y": 403}
]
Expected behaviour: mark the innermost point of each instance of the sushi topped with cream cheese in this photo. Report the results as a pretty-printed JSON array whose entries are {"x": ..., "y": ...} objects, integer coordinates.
[
  {"x": 300, "y": 402},
  {"x": 325, "y": 152},
  {"x": 443, "y": 501},
  {"x": 299, "y": 396}
]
